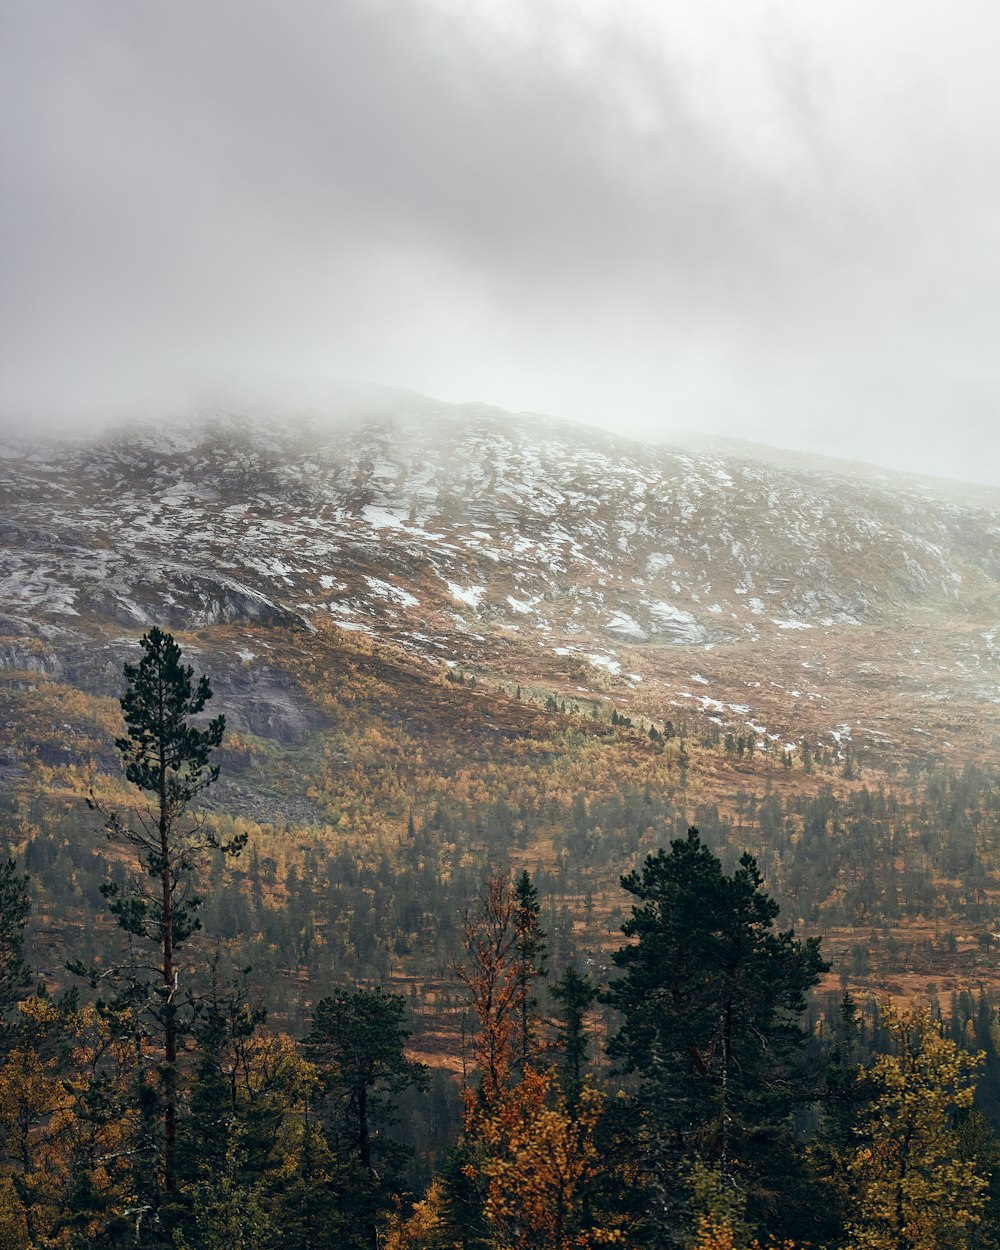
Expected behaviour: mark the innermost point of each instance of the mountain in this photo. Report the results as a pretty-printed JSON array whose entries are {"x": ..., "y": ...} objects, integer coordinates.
[
  {"x": 774, "y": 595},
  {"x": 447, "y": 638}
]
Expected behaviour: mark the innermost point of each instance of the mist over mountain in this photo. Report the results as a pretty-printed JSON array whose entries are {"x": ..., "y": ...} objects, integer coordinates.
[{"x": 740, "y": 582}]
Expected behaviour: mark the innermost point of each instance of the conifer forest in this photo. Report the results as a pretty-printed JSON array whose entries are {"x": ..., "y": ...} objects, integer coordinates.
[{"x": 454, "y": 1046}]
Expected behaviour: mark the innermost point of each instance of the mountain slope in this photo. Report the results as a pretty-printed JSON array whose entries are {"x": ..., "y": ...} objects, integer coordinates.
[
  {"x": 446, "y": 638},
  {"x": 794, "y": 598}
]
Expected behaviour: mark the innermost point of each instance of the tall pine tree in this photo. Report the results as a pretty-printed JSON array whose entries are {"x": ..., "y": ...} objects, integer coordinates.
[
  {"x": 167, "y": 757},
  {"x": 711, "y": 999}
]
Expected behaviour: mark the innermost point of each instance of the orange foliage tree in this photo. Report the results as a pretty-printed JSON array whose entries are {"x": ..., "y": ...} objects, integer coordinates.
[
  {"x": 66, "y": 1128},
  {"x": 534, "y": 1159},
  {"x": 542, "y": 1163},
  {"x": 494, "y": 976}
]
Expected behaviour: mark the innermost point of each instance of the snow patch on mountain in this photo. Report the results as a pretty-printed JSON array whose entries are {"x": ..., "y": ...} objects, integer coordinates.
[
  {"x": 470, "y": 595},
  {"x": 606, "y": 662}
]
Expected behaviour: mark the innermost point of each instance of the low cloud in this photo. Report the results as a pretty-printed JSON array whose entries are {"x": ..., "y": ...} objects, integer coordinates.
[{"x": 743, "y": 217}]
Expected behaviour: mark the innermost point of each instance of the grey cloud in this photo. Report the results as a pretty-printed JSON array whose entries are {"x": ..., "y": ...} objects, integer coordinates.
[{"x": 396, "y": 191}]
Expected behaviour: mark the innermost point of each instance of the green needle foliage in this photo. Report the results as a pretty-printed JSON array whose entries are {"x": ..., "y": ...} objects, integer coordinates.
[
  {"x": 15, "y": 976},
  {"x": 575, "y": 996},
  {"x": 357, "y": 1045},
  {"x": 167, "y": 757},
  {"x": 711, "y": 999}
]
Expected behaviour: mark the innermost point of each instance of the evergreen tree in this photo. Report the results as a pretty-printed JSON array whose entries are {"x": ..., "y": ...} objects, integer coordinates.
[
  {"x": 462, "y": 1194},
  {"x": 530, "y": 953},
  {"x": 978, "y": 1144},
  {"x": 230, "y": 1129},
  {"x": 167, "y": 758},
  {"x": 846, "y": 1095},
  {"x": 357, "y": 1044},
  {"x": 14, "y": 973},
  {"x": 711, "y": 999},
  {"x": 254, "y": 1173},
  {"x": 576, "y": 996}
]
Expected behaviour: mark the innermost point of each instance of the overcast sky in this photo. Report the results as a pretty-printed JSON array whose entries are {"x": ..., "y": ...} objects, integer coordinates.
[{"x": 774, "y": 220}]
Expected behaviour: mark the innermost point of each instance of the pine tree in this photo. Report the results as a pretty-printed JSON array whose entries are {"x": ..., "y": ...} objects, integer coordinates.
[
  {"x": 239, "y": 1098},
  {"x": 15, "y": 977},
  {"x": 530, "y": 954},
  {"x": 167, "y": 758},
  {"x": 357, "y": 1045},
  {"x": 711, "y": 999},
  {"x": 847, "y": 1093},
  {"x": 576, "y": 996}
]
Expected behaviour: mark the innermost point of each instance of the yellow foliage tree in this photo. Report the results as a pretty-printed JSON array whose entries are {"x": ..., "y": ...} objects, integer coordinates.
[
  {"x": 908, "y": 1187},
  {"x": 721, "y": 1236},
  {"x": 425, "y": 1228},
  {"x": 542, "y": 1163},
  {"x": 62, "y": 1156}
]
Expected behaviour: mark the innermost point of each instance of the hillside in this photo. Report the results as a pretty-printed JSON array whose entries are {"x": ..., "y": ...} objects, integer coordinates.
[
  {"x": 446, "y": 638},
  {"x": 795, "y": 598}
]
